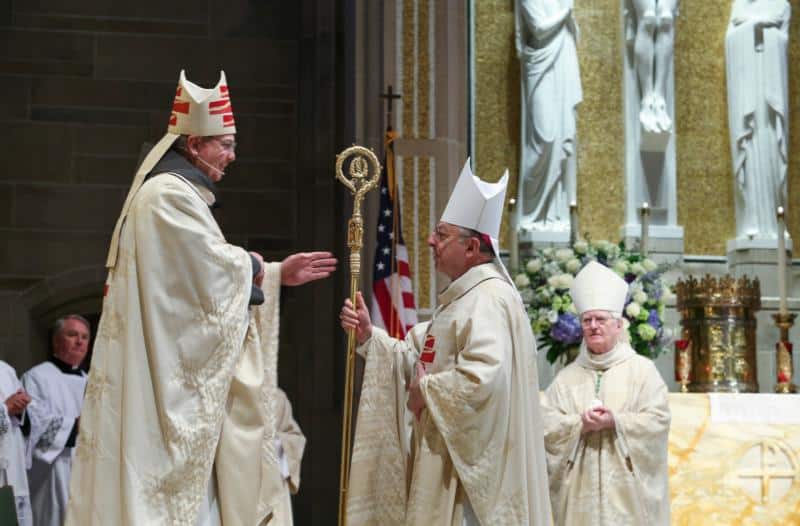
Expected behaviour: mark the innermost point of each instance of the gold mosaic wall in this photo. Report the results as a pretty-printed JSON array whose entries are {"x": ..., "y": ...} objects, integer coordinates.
[
  {"x": 497, "y": 120},
  {"x": 705, "y": 178},
  {"x": 705, "y": 182},
  {"x": 415, "y": 17}
]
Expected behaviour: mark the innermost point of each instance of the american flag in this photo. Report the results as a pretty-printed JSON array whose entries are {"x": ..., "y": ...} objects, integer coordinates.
[{"x": 392, "y": 294}]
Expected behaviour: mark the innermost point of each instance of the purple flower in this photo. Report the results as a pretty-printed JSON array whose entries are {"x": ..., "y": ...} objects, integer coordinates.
[
  {"x": 629, "y": 278},
  {"x": 655, "y": 293},
  {"x": 567, "y": 329},
  {"x": 653, "y": 319}
]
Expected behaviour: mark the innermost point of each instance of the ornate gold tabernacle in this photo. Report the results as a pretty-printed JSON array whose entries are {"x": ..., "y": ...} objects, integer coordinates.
[{"x": 718, "y": 318}]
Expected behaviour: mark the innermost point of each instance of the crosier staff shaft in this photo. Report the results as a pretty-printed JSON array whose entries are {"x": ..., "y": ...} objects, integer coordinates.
[{"x": 359, "y": 183}]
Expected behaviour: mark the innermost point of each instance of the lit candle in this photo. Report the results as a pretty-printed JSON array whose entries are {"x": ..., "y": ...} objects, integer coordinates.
[
  {"x": 573, "y": 222},
  {"x": 513, "y": 236},
  {"x": 783, "y": 309},
  {"x": 645, "y": 228}
]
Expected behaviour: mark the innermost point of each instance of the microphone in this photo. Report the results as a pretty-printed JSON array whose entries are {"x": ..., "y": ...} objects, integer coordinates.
[{"x": 210, "y": 166}]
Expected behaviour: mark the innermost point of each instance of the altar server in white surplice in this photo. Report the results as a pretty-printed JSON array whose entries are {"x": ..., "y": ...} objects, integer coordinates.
[
  {"x": 476, "y": 452},
  {"x": 176, "y": 428},
  {"x": 56, "y": 388},
  {"x": 606, "y": 419},
  {"x": 12, "y": 442}
]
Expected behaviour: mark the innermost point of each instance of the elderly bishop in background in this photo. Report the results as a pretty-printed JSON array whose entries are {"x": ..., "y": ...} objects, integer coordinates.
[
  {"x": 177, "y": 427},
  {"x": 607, "y": 419},
  {"x": 476, "y": 453}
]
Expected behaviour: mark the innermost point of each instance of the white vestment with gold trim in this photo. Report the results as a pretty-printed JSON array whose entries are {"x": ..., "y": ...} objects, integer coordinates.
[
  {"x": 477, "y": 453},
  {"x": 181, "y": 373},
  {"x": 613, "y": 477}
]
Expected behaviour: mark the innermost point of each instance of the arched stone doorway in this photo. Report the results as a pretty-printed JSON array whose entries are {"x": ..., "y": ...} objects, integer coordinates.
[{"x": 76, "y": 291}]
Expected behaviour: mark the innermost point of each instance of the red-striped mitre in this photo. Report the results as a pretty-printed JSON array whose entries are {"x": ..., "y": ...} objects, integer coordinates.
[{"x": 201, "y": 111}]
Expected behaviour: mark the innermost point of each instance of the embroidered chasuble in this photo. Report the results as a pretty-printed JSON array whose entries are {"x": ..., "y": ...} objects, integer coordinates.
[
  {"x": 182, "y": 373},
  {"x": 611, "y": 477},
  {"x": 477, "y": 448},
  {"x": 56, "y": 391}
]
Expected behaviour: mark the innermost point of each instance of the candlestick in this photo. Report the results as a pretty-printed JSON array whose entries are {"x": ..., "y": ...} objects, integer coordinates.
[
  {"x": 574, "y": 229},
  {"x": 683, "y": 362},
  {"x": 645, "y": 211},
  {"x": 783, "y": 308},
  {"x": 783, "y": 354},
  {"x": 513, "y": 236}
]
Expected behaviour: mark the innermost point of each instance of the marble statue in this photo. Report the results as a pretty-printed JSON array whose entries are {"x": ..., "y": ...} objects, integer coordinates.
[
  {"x": 650, "y": 24},
  {"x": 649, "y": 109},
  {"x": 756, "y": 46},
  {"x": 546, "y": 35}
]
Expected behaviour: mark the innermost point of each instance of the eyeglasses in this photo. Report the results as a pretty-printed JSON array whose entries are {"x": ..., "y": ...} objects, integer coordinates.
[
  {"x": 228, "y": 146},
  {"x": 598, "y": 320},
  {"x": 440, "y": 235}
]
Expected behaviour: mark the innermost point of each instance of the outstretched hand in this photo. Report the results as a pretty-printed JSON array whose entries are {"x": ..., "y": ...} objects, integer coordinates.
[
  {"x": 303, "y": 267},
  {"x": 357, "y": 318}
]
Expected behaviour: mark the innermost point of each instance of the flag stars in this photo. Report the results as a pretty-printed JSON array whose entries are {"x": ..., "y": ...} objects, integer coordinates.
[
  {"x": 387, "y": 251},
  {"x": 380, "y": 266},
  {"x": 387, "y": 213},
  {"x": 381, "y": 227},
  {"x": 391, "y": 235}
]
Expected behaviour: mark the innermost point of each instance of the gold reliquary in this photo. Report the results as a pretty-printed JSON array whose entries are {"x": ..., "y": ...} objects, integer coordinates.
[{"x": 719, "y": 334}]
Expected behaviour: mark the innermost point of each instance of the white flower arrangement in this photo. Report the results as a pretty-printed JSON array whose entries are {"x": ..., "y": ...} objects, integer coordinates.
[{"x": 544, "y": 285}]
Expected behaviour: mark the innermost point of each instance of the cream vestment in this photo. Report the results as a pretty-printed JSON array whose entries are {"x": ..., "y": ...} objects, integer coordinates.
[
  {"x": 478, "y": 443},
  {"x": 182, "y": 373},
  {"x": 612, "y": 477}
]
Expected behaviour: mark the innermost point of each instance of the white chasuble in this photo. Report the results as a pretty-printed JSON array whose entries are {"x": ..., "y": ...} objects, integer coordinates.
[
  {"x": 12, "y": 447},
  {"x": 477, "y": 453},
  {"x": 180, "y": 374},
  {"x": 611, "y": 477},
  {"x": 56, "y": 399}
]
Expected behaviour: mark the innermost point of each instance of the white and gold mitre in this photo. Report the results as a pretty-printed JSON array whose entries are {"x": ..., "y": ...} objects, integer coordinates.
[
  {"x": 201, "y": 111},
  {"x": 597, "y": 287},
  {"x": 195, "y": 111},
  {"x": 477, "y": 204}
]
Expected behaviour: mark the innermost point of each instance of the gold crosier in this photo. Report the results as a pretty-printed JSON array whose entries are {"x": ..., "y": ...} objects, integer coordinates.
[{"x": 359, "y": 183}]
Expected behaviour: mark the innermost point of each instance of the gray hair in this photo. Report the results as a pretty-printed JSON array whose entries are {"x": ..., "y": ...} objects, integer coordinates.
[
  {"x": 58, "y": 326},
  {"x": 484, "y": 248}
]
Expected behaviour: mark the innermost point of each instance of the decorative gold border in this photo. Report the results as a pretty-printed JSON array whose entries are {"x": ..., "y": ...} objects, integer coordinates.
[
  {"x": 423, "y": 165},
  {"x": 417, "y": 81}
]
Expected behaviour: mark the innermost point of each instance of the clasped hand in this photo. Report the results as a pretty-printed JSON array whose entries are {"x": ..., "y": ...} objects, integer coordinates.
[
  {"x": 17, "y": 402},
  {"x": 597, "y": 419}
]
